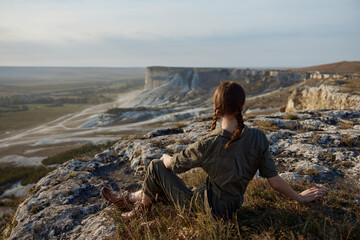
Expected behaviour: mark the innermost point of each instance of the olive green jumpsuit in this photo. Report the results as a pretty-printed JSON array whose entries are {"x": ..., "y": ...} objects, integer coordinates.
[{"x": 229, "y": 170}]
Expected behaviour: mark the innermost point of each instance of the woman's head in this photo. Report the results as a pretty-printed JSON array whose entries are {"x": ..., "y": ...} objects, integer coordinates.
[{"x": 229, "y": 99}]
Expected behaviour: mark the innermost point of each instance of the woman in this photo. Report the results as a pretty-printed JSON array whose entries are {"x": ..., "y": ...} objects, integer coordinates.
[{"x": 230, "y": 155}]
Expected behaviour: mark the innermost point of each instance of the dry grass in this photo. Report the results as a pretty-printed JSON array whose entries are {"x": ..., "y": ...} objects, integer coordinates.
[
  {"x": 330, "y": 157},
  {"x": 180, "y": 125},
  {"x": 308, "y": 171},
  {"x": 204, "y": 119},
  {"x": 347, "y": 141},
  {"x": 80, "y": 152},
  {"x": 267, "y": 126},
  {"x": 337, "y": 67},
  {"x": 290, "y": 116},
  {"x": 351, "y": 86},
  {"x": 138, "y": 153},
  {"x": 11, "y": 175},
  {"x": 276, "y": 100},
  {"x": 346, "y": 125},
  {"x": 265, "y": 215},
  {"x": 184, "y": 141}
]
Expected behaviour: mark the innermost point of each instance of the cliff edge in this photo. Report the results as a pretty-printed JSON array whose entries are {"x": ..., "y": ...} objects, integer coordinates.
[
  {"x": 172, "y": 86},
  {"x": 318, "y": 146},
  {"x": 323, "y": 97}
]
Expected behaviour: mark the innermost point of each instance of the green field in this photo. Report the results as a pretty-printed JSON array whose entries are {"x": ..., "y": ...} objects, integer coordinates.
[
  {"x": 36, "y": 115},
  {"x": 32, "y": 96}
]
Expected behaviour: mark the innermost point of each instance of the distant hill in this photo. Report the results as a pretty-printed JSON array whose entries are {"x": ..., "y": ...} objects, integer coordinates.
[
  {"x": 67, "y": 74},
  {"x": 338, "y": 67}
]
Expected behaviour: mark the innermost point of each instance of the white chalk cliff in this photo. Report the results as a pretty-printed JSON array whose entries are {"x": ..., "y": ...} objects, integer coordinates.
[
  {"x": 323, "y": 97},
  {"x": 170, "y": 86}
]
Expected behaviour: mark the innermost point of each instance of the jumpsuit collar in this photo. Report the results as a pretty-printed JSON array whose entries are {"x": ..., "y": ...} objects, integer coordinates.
[{"x": 227, "y": 134}]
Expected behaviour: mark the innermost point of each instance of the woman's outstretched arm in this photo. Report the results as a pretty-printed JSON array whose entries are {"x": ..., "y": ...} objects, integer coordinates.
[{"x": 283, "y": 187}]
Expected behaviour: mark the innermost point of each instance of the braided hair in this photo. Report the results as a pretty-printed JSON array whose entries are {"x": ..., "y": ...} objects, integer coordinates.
[{"x": 229, "y": 98}]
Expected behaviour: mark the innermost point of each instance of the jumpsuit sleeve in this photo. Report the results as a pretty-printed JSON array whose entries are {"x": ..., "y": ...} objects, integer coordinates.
[
  {"x": 267, "y": 166},
  {"x": 191, "y": 157}
]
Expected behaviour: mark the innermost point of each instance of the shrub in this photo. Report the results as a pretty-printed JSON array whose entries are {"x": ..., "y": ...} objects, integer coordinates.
[
  {"x": 184, "y": 141},
  {"x": 180, "y": 125},
  {"x": 71, "y": 175},
  {"x": 330, "y": 157},
  {"x": 204, "y": 119},
  {"x": 267, "y": 125},
  {"x": 347, "y": 141},
  {"x": 345, "y": 125},
  {"x": 79, "y": 152},
  {"x": 156, "y": 143},
  {"x": 36, "y": 209},
  {"x": 282, "y": 109},
  {"x": 24, "y": 174},
  {"x": 308, "y": 171},
  {"x": 290, "y": 116},
  {"x": 138, "y": 153}
]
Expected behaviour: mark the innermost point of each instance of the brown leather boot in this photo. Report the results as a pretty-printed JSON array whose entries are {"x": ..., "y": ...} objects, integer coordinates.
[
  {"x": 120, "y": 200},
  {"x": 139, "y": 210}
]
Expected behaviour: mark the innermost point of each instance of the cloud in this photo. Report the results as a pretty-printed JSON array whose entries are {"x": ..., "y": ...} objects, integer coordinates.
[
  {"x": 92, "y": 21},
  {"x": 162, "y": 32}
]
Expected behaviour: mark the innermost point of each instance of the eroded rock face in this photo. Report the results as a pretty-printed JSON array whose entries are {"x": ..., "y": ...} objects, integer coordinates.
[
  {"x": 165, "y": 86},
  {"x": 323, "y": 97},
  {"x": 319, "y": 146},
  {"x": 66, "y": 204}
]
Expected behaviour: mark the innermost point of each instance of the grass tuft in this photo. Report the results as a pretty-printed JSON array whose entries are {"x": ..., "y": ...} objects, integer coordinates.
[
  {"x": 265, "y": 214},
  {"x": 79, "y": 152},
  {"x": 180, "y": 125},
  {"x": 26, "y": 175},
  {"x": 290, "y": 116},
  {"x": 267, "y": 126},
  {"x": 347, "y": 141},
  {"x": 346, "y": 125}
]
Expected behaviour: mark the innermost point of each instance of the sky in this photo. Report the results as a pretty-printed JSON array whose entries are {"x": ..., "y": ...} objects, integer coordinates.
[{"x": 189, "y": 33}]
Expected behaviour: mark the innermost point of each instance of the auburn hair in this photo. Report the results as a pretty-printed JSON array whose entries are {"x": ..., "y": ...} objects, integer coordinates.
[{"x": 229, "y": 98}]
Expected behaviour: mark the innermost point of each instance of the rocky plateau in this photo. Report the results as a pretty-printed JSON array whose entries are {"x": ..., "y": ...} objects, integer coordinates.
[{"x": 320, "y": 146}]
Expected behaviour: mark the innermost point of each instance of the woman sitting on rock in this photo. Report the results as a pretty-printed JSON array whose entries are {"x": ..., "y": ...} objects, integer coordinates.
[{"x": 230, "y": 155}]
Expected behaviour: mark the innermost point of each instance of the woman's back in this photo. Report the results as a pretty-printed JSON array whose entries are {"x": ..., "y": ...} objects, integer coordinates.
[{"x": 230, "y": 169}]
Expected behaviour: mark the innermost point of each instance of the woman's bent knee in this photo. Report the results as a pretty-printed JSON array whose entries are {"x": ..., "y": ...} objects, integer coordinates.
[{"x": 156, "y": 165}]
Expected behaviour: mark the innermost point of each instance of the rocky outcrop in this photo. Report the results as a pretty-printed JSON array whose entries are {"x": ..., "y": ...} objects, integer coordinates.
[
  {"x": 323, "y": 97},
  {"x": 205, "y": 78},
  {"x": 169, "y": 86},
  {"x": 318, "y": 75},
  {"x": 319, "y": 146},
  {"x": 66, "y": 204}
]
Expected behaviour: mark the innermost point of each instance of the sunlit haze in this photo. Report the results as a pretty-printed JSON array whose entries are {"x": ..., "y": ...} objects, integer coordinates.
[{"x": 139, "y": 33}]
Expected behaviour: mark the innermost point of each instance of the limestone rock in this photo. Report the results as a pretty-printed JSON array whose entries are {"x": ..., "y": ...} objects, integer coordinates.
[
  {"x": 171, "y": 86},
  {"x": 66, "y": 204},
  {"x": 323, "y": 97}
]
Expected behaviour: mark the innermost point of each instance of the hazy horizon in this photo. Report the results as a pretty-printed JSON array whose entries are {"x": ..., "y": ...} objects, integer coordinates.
[{"x": 239, "y": 34}]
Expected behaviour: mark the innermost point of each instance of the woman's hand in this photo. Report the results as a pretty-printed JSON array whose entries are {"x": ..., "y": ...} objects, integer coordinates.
[
  {"x": 311, "y": 194},
  {"x": 166, "y": 160},
  {"x": 306, "y": 196}
]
